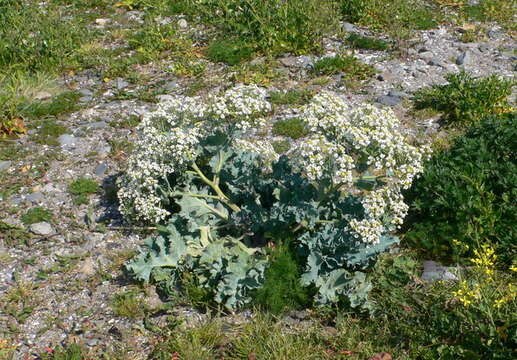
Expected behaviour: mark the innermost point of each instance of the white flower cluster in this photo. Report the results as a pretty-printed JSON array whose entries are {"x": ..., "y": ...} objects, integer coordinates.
[
  {"x": 345, "y": 145},
  {"x": 169, "y": 139},
  {"x": 365, "y": 140}
]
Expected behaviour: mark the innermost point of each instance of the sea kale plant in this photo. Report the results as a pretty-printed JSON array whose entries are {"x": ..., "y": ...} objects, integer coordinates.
[{"x": 221, "y": 195}]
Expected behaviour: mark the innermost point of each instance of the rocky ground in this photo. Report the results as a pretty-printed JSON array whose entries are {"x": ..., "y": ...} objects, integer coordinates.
[{"x": 63, "y": 280}]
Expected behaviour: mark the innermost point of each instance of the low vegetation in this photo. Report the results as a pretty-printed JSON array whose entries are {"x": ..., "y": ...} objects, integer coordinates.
[
  {"x": 349, "y": 65},
  {"x": 465, "y": 99},
  {"x": 465, "y": 195}
]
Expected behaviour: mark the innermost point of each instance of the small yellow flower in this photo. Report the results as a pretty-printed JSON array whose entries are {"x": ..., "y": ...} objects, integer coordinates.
[{"x": 513, "y": 268}]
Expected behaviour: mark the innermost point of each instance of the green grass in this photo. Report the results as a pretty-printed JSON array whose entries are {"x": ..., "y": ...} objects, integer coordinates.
[
  {"x": 83, "y": 186},
  {"x": 37, "y": 214},
  {"x": 230, "y": 51},
  {"x": 155, "y": 40},
  {"x": 282, "y": 290},
  {"x": 293, "y": 127},
  {"x": 465, "y": 99},
  {"x": 48, "y": 131},
  {"x": 364, "y": 42},
  {"x": 291, "y": 97},
  {"x": 352, "y": 67},
  {"x": 13, "y": 235},
  {"x": 128, "y": 304},
  {"x": 410, "y": 320},
  {"x": 281, "y": 146},
  {"x": 396, "y": 17},
  {"x": 33, "y": 38},
  {"x": 272, "y": 26}
]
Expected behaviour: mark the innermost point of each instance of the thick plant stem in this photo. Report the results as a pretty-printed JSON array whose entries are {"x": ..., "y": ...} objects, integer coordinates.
[{"x": 220, "y": 195}]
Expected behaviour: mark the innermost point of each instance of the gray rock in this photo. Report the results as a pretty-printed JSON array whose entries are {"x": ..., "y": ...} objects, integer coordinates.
[
  {"x": 4, "y": 165},
  {"x": 171, "y": 85},
  {"x": 87, "y": 267},
  {"x": 182, "y": 24},
  {"x": 385, "y": 76},
  {"x": 85, "y": 92},
  {"x": 258, "y": 61},
  {"x": 484, "y": 48},
  {"x": 397, "y": 93},
  {"x": 35, "y": 197},
  {"x": 494, "y": 34},
  {"x": 104, "y": 149},
  {"x": 290, "y": 61},
  {"x": 433, "y": 272},
  {"x": 349, "y": 27},
  {"x": 464, "y": 58},
  {"x": 41, "y": 228},
  {"x": 100, "y": 169},
  {"x": 42, "y": 95},
  {"x": 388, "y": 100},
  {"x": 85, "y": 99},
  {"x": 121, "y": 83},
  {"x": 67, "y": 139},
  {"x": 98, "y": 125},
  {"x": 435, "y": 62},
  {"x": 102, "y": 22}
]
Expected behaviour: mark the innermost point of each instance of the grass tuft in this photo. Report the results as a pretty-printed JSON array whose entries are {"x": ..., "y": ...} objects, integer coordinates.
[{"x": 352, "y": 67}]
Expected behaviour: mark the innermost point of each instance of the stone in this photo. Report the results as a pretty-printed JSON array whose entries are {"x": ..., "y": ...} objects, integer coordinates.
[
  {"x": 385, "y": 76},
  {"x": 435, "y": 62},
  {"x": 42, "y": 95},
  {"x": 388, "y": 100},
  {"x": 349, "y": 27},
  {"x": 87, "y": 267},
  {"x": 182, "y": 24},
  {"x": 397, "y": 93},
  {"x": 464, "y": 58},
  {"x": 35, "y": 197},
  {"x": 100, "y": 169},
  {"x": 258, "y": 61},
  {"x": 289, "y": 61},
  {"x": 434, "y": 271},
  {"x": 42, "y": 228},
  {"x": 121, "y": 83},
  {"x": 102, "y": 22},
  {"x": 67, "y": 140},
  {"x": 85, "y": 99},
  {"x": 171, "y": 85},
  {"x": 85, "y": 92},
  {"x": 484, "y": 48},
  {"x": 4, "y": 165},
  {"x": 102, "y": 150},
  {"x": 98, "y": 125}
]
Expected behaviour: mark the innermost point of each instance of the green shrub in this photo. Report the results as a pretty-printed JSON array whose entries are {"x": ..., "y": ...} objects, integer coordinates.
[
  {"x": 291, "y": 97},
  {"x": 465, "y": 99},
  {"x": 467, "y": 194},
  {"x": 48, "y": 131},
  {"x": 60, "y": 104},
  {"x": 364, "y": 42},
  {"x": 352, "y": 67},
  {"x": 397, "y": 17},
  {"x": 282, "y": 289},
  {"x": 83, "y": 186},
  {"x": 230, "y": 51},
  {"x": 36, "y": 214},
  {"x": 273, "y": 26},
  {"x": 155, "y": 39},
  {"x": 293, "y": 127},
  {"x": 281, "y": 146}
]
